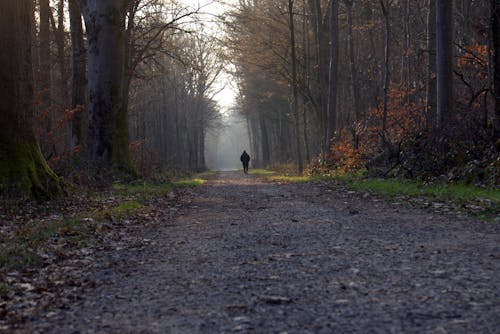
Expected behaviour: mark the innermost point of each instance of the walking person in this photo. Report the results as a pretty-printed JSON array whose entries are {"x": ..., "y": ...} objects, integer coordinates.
[{"x": 245, "y": 159}]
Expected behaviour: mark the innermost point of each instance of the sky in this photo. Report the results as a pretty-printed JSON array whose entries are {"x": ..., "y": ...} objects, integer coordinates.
[{"x": 227, "y": 96}]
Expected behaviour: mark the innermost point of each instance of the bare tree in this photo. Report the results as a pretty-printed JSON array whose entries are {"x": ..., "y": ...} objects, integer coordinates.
[
  {"x": 334, "y": 60},
  {"x": 444, "y": 26},
  {"x": 385, "y": 6},
  {"x": 295, "y": 103},
  {"x": 430, "y": 101}
]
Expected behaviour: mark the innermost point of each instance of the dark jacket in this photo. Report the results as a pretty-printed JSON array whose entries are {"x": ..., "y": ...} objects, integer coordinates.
[{"x": 245, "y": 158}]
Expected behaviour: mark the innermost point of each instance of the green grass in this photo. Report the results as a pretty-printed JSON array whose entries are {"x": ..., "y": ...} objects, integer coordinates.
[
  {"x": 487, "y": 200},
  {"x": 144, "y": 190},
  {"x": 205, "y": 175},
  {"x": 4, "y": 289},
  {"x": 17, "y": 256},
  {"x": 394, "y": 187},
  {"x": 120, "y": 211},
  {"x": 194, "y": 182}
]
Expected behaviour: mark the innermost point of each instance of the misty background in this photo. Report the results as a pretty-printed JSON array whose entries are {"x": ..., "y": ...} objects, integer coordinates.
[{"x": 225, "y": 144}]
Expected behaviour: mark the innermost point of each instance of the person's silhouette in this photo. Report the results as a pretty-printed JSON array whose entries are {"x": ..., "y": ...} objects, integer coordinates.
[{"x": 245, "y": 159}]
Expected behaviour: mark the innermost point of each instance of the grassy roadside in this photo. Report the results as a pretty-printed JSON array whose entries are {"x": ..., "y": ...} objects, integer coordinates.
[
  {"x": 483, "y": 203},
  {"x": 26, "y": 238}
]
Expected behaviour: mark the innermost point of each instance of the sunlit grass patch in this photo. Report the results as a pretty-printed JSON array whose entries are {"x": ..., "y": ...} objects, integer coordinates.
[
  {"x": 260, "y": 172},
  {"x": 291, "y": 178},
  {"x": 189, "y": 182},
  {"x": 120, "y": 211}
]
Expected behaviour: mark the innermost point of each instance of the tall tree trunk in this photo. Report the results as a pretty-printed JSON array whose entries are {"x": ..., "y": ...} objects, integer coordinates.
[
  {"x": 407, "y": 61},
  {"x": 295, "y": 105},
  {"x": 22, "y": 166},
  {"x": 444, "y": 25},
  {"x": 387, "y": 67},
  {"x": 305, "y": 79},
  {"x": 108, "y": 130},
  {"x": 129, "y": 52},
  {"x": 356, "y": 99},
  {"x": 430, "y": 103},
  {"x": 35, "y": 47},
  {"x": 43, "y": 78},
  {"x": 250, "y": 136},
  {"x": 495, "y": 27},
  {"x": 321, "y": 36},
  {"x": 78, "y": 75},
  {"x": 202, "y": 165},
  {"x": 264, "y": 139},
  {"x": 332, "y": 85},
  {"x": 352, "y": 63},
  {"x": 60, "y": 39}
]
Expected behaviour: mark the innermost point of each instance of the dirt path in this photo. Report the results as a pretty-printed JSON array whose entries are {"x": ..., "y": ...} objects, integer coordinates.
[{"x": 248, "y": 256}]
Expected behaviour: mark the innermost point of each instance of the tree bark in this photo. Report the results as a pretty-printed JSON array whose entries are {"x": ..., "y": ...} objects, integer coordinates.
[
  {"x": 264, "y": 139},
  {"x": 305, "y": 79},
  {"x": 59, "y": 37},
  {"x": 321, "y": 37},
  {"x": 334, "y": 59},
  {"x": 43, "y": 78},
  {"x": 78, "y": 75},
  {"x": 430, "y": 103},
  {"x": 387, "y": 68},
  {"x": 444, "y": 25},
  {"x": 495, "y": 27},
  {"x": 352, "y": 63},
  {"x": 108, "y": 129},
  {"x": 295, "y": 105},
  {"x": 22, "y": 166}
]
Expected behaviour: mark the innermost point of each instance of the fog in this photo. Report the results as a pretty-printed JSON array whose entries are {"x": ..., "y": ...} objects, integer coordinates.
[{"x": 225, "y": 144}]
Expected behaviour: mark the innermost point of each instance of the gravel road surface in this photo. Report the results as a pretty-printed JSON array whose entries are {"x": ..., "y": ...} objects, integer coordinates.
[{"x": 245, "y": 255}]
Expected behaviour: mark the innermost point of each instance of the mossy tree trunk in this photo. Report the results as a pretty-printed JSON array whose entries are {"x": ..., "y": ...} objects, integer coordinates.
[
  {"x": 107, "y": 115},
  {"x": 22, "y": 166}
]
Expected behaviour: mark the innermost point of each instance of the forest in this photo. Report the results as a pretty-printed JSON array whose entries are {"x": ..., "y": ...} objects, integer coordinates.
[
  {"x": 97, "y": 90},
  {"x": 371, "y": 203},
  {"x": 402, "y": 88}
]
